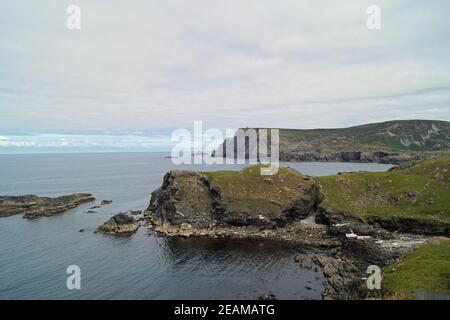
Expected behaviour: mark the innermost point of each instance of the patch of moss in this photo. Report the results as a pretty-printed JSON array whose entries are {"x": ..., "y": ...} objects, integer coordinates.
[{"x": 426, "y": 269}]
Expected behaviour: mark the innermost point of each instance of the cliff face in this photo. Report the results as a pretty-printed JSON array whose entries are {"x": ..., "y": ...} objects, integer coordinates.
[
  {"x": 227, "y": 198},
  {"x": 387, "y": 142}
]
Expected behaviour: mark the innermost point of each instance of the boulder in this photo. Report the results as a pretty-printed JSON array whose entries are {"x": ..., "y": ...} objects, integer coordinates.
[
  {"x": 267, "y": 296},
  {"x": 119, "y": 224}
]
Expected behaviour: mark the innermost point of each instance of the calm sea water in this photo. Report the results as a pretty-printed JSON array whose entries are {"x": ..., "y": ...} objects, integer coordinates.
[{"x": 34, "y": 254}]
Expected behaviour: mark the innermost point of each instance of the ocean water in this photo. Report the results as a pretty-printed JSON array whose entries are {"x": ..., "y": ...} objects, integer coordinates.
[{"x": 34, "y": 255}]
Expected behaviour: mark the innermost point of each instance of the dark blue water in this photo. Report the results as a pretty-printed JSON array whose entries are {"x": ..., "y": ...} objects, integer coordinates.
[{"x": 34, "y": 255}]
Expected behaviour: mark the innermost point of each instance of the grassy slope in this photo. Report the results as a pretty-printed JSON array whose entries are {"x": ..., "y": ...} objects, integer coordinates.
[
  {"x": 374, "y": 136},
  {"x": 246, "y": 190},
  {"x": 419, "y": 190},
  {"x": 427, "y": 268}
]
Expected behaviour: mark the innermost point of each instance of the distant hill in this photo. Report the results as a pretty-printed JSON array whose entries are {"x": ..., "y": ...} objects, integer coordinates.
[{"x": 386, "y": 142}]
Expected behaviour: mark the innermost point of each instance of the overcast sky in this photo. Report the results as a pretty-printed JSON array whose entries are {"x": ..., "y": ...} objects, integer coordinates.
[{"x": 145, "y": 65}]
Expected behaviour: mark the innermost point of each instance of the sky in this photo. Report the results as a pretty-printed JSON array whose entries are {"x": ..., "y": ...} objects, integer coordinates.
[{"x": 139, "y": 67}]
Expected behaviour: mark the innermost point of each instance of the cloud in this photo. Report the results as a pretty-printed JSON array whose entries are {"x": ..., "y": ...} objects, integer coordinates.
[
  {"x": 145, "y": 65},
  {"x": 86, "y": 143},
  {"x": 138, "y": 141}
]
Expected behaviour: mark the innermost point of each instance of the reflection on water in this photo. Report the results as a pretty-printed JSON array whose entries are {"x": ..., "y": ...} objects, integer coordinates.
[{"x": 247, "y": 268}]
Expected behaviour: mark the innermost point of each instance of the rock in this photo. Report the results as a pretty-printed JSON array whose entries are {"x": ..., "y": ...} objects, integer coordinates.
[
  {"x": 351, "y": 235},
  {"x": 105, "y": 202},
  {"x": 135, "y": 212},
  {"x": 120, "y": 224},
  {"x": 268, "y": 181},
  {"x": 267, "y": 296},
  {"x": 346, "y": 226},
  {"x": 34, "y": 207},
  {"x": 94, "y": 207},
  {"x": 81, "y": 230},
  {"x": 185, "y": 226},
  {"x": 374, "y": 186},
  {"x": 91, "y": 211},
  {"x": 305, "y": 261}
]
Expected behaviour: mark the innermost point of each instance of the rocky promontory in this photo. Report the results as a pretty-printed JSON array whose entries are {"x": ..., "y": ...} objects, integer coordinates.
[
  {"x": 120, "y": 224},
  {"x": 237, "y": 205},
  {"x": 33, "y": 207},
  {"x": 391, "y": 142},
  {"x": 353, "y": 219}
]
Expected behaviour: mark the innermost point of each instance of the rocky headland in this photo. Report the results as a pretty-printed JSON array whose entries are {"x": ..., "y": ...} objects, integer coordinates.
[
  {"x": 350, "y": 221},
  {"x": 32, "y": 207},
  {"x": 391, "y": 142}
]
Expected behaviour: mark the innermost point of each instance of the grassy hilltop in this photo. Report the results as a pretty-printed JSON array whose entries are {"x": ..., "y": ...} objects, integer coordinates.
[{"x": 415, "y": 192}]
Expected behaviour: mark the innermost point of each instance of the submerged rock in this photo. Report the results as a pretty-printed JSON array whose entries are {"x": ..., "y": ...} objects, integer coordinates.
[
  {"x": 267, "y": 296},
  {"x": 33, "y": 207},
  {"x": 120, "y": 224}
]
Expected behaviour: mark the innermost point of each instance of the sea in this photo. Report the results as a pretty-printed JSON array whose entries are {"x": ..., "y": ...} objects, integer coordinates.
[{"x": 35, "y": 255}]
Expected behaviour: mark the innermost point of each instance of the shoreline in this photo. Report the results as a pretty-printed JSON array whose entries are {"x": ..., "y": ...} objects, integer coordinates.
[{"x": 343, "y": 261}]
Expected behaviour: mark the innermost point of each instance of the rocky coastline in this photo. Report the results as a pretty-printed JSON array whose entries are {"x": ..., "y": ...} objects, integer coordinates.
[
  {"x": 33, "y": 207},
  {"x": 297, "y": 209},
  {"x": 391, "y": 142}
]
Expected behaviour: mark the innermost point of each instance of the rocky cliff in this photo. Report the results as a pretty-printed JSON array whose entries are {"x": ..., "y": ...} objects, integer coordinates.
[
  {"x": 386, "y": 142},
  {"x": 230, "y": 198}
]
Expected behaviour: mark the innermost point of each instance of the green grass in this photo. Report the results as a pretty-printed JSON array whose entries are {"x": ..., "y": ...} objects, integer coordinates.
[
  {"x": 427, "y": 268},
  {"x": 370, "y": 137},
  {"x": 418, "y": 190},
  {"x": 248, "y": 191}
]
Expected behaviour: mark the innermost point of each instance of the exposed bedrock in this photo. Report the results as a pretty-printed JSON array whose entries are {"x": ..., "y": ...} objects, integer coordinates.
[
  {"x": 120, "y": 223},
  {"x": 33, "y": 207}
]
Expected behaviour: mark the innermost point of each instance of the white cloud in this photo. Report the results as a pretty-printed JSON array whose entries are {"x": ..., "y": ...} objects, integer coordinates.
[{"x": 141, "y": 65}]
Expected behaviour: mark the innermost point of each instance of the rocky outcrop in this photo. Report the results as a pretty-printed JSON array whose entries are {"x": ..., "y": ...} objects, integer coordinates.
[
  {"x": 355, "y": 156},
  {"x": 239, "y": 199},
  {"x": 345, "y": 266},
  {"x": 33, "y": 207},
  {"x": 267, "y": 296},
  {"x": 120, "y": 224}
]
